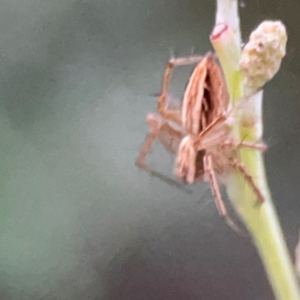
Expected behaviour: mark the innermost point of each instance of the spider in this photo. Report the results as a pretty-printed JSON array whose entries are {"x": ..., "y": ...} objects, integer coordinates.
[
  {"x": 168, "y": 125},
  {"x": 200, "y": 132}
]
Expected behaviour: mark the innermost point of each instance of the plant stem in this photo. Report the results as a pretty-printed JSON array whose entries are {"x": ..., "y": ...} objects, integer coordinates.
[
  {"x": 260, "y": 218},
  {"x": 227, "y": 13}
]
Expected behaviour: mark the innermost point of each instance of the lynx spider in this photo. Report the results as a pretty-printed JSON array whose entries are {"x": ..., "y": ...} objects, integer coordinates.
[{"x": 200, "y": 131}]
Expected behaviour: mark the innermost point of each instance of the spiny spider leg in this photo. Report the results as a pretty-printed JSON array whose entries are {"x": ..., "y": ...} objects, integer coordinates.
[
  {"x": 208, "y": 167},
  {"x": 145, "y": 149},
  {"x": 243, "y": 170},
  {"x": 255, "y": 146},
  {"x": 159, "y": 129},
  {"x": 172, "y": 115}
]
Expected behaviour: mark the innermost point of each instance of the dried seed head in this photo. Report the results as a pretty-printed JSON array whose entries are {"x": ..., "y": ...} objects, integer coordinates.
[{"x": 262, "y": 55}]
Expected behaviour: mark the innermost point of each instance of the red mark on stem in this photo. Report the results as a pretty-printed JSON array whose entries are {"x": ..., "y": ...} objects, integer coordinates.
[{"x": 218, "y": 30}]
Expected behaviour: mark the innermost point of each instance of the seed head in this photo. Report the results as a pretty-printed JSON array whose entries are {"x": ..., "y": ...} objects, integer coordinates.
[{"x": 262, "y": 55}]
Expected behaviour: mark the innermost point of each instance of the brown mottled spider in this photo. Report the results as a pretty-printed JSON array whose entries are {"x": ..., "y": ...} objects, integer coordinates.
[{"x": 200, "y": 131}]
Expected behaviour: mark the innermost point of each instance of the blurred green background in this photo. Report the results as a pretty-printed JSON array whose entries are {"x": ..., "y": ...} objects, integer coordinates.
[{"x": 77, "y": 219}]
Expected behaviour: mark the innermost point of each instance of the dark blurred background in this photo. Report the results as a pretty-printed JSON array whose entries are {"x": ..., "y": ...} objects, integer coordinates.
[{"x": 77, "y": 219}]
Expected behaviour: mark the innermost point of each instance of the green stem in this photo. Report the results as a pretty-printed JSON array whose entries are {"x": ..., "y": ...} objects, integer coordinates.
[
  {"x": 260, "y": 218},
  {"x": 262, "y": 222}
]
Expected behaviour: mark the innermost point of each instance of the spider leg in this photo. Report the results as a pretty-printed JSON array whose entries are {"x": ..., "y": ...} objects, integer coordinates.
[
  {"x": 169, "y": 141},
  {"x": 208, "y": 167},
  {"x": 174, "y": 115},
  {"x": 140, "y": 163},
  {"x": 155, "y": 133},
  {"x": 243, "y": 170},
  {"x": 145, "y": 149},
  {"x": 255, "y": 146}
]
